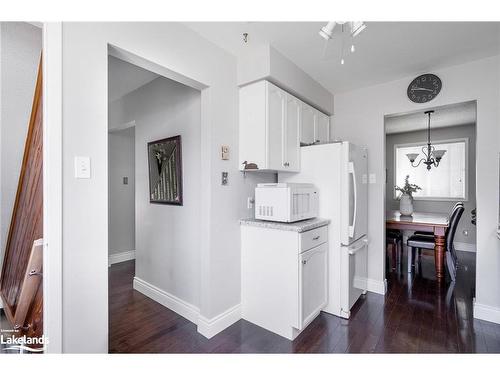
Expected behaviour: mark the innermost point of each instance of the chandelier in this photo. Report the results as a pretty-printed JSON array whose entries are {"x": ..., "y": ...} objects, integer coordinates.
[{"x": 432, "y": 157}]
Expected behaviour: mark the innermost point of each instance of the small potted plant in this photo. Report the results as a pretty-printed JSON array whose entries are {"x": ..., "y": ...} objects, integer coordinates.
[{"x": 406, "y": 197}]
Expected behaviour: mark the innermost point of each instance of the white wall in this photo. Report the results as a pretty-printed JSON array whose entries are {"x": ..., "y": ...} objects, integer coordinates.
[
  {"x": 121, "y": 197},
  {"x": 265, "y": 62},
  {"x": 452, "y": 132},
  {"x": 85, "y": 237},
  {"x": 359, "y": 117},
  {"x": 20, "y": 47}
]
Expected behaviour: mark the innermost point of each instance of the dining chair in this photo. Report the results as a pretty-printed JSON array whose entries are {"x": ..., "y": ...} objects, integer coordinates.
[
  {"x": 424, "y": 233},
  {"x": 394, "y": 239},
  {"x": 427, "y": 242}
]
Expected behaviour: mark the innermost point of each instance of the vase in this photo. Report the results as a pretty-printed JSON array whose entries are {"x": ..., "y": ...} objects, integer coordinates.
[{"x": 406, "y": 205}]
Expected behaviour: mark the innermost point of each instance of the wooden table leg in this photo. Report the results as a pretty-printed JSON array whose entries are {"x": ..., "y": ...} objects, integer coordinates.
[{"x": 439, "y": 250}]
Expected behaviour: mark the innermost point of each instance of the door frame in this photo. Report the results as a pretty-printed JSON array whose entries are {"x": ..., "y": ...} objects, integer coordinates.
[{"x": 52, "y": 185}]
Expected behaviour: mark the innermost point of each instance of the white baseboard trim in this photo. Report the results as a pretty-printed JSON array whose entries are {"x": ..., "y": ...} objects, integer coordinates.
[
  {"x": 485, "y": 312},
  {"x": 376, "y": 286},
  {"x": 210, "y": 327},
  {"x": 121, "y": 257},
  {"x": 464, "y": 246},
  {"x": 181, "y": 307}
]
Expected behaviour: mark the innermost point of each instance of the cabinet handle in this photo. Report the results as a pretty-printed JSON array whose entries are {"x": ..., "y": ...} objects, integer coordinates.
[{"x": 315, "y": 238}]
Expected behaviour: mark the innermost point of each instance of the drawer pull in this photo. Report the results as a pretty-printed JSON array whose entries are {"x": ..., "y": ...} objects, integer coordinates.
[{"x": 316, "y": 238}]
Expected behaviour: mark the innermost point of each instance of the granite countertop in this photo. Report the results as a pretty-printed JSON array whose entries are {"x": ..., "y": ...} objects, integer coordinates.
[{"x": 298, "y": 226}]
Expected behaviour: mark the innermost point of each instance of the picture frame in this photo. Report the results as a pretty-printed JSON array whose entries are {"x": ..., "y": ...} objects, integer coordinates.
[{"x": 165, "y": 171}]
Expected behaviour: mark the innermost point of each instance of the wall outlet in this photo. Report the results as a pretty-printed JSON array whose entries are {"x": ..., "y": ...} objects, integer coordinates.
[
  {"x": 125, "y": 180},
  {"x": 372, "y": 178},
  {"x": 250, "y": 202},
  {"x": 82, "y": 167},
  {"x": 225, "y": 179}
]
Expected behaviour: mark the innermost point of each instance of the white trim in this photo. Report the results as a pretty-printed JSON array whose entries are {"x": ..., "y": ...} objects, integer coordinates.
[
  {"x": 441, "y": 141},
  {"x": 485, "y": 312},
  {"x": 210, "y": 327},
  {"x": 121, "y": 257},
  {"x": 183, "y": 308},
  {"x": 464, "y": 246},
  {"x": 52, "y": 186},
  {"x": 1, "y": 304},
  {"x": 376, "y": 286},
  {"x": 123, "y": 126}
]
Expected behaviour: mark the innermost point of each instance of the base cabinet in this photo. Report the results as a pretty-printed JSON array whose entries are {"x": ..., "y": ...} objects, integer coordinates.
[{"x": 284, "y": 278}]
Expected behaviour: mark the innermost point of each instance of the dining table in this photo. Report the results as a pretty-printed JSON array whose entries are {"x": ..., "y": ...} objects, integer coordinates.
[{"x": 427, "y": 222}]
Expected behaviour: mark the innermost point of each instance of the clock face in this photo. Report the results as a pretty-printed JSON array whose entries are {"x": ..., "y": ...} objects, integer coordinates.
[{"x": 424, "y": 88}]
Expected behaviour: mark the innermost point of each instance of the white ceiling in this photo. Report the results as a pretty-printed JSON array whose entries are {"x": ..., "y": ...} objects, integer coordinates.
[
  {"x": 124, "y": 77},
  {"x": 445, "y": 116},
  {"x": 385, "y": 51}
]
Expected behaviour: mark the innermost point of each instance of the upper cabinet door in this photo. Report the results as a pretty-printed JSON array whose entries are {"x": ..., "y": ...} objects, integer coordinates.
[
  {"x": 276, "y": 104},
  {"x": 292, "y": 132},
  {"x": 322, "y": 130},
  {"x": 307, "y": 125}
]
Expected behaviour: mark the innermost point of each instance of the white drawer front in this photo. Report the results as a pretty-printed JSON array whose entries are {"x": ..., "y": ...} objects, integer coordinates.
[{"x": 313, "y": 238}]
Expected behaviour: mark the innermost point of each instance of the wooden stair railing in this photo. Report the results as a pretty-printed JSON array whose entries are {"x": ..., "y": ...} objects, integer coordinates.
[{"x": 22, "y": 295}]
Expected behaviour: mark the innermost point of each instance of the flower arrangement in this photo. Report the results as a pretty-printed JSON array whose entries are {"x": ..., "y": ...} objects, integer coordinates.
[{"x": 408, "y": 189}]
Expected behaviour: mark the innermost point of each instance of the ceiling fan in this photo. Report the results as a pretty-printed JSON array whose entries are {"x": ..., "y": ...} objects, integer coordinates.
[{"x": 346, "y": 31}]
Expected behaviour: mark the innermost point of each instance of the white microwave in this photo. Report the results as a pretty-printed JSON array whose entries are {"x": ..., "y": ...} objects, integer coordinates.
[{"x": 286, "y": 202}]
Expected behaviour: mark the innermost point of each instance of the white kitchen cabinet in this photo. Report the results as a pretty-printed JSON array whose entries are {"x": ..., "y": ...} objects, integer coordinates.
[
  {"x": 315, "y": 126},
  {"x": 269, "y": 127},
  {"x": 283, "y": 276}
]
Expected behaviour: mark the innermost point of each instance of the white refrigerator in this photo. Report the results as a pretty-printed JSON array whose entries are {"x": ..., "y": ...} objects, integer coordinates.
[{"x": 340, "y": 173}]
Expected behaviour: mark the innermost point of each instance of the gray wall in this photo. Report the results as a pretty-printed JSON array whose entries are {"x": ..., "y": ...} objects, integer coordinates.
[
  {"x": 466, "y": 131},
  {"x": 121, "y": 200},
  {"x": 20, "y": 47}
]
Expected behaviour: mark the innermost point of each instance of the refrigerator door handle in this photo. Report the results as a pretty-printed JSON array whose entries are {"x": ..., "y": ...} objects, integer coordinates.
[
  {"x": 360, "y": 246},
  {"x": 352, "y": 171}
]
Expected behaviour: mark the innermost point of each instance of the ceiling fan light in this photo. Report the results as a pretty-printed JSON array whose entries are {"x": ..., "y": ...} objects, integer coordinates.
[
  {"x": 326, "y": 31},
  {"x": 412, "y": 157},
  {"x": 357, "y": 27}
]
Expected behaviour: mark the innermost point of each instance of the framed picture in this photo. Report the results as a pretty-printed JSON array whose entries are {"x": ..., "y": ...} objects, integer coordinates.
[{"x": 165, "y": 171}]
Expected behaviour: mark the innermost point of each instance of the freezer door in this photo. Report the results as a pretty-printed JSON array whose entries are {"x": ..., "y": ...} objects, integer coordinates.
[
  {"x": 353, "y": 274},
  {"x": 354, "y": 192}
]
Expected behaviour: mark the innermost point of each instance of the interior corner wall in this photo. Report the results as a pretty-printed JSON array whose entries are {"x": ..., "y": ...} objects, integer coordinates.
[
  {"x": 359, "y": 118},
  {"x": 121, "y": 197},
  {"x": 422, "y": 205},
  {"x": 20, "y": 48},
  {"x": 265, "y": 62},
  {"x": 85, "y": 201}
]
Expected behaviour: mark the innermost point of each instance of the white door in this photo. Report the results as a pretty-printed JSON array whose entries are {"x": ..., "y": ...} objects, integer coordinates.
[
  {"x": 313, "y": 283},
  {"x": 276, "y": 102},
  {"x": 322, "y": 130},
  {"x": 307, "y": 125},
  {"x": 354, "y": 192},
  {"x": 354, "y": 268},
  {"x": 292, "y": 131}
]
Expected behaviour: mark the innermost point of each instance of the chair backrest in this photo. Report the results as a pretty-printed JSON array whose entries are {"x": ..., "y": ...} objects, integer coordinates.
[
  {"x": 453, "y": 212},
  {"x": 452, "y": 227}
]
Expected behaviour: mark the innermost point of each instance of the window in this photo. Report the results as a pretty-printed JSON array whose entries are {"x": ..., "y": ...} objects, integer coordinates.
[{"x": 446, "y": 182}]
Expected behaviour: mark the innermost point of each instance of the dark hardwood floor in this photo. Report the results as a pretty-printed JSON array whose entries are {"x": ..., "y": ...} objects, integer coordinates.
[{"x": 417, "y": 315}]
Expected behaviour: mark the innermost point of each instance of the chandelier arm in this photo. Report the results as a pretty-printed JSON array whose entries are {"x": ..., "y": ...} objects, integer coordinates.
[{"x": 420, "y": 162}]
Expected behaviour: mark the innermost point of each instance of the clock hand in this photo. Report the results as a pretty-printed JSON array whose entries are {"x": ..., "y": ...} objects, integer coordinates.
[{"x": 420, "y": 89}]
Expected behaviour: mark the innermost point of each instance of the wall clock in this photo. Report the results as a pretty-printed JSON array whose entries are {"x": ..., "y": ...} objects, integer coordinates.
[{"x": 424, "y": 88}]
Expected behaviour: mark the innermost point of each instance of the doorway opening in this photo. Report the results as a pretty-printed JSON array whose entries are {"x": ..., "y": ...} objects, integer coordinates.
[
  {"x": 429, "y": 241},
  {"x": 154, "y": 199}
]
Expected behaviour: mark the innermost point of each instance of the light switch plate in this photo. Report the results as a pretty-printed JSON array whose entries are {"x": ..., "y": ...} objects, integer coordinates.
[
  {"x": 225, "y": 152},
  {"x": 372, "y": 178},
  {"x": 82, "y": 167}
]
